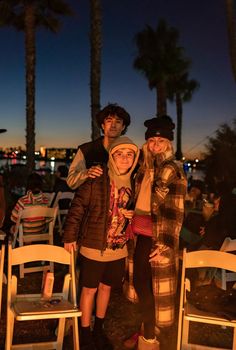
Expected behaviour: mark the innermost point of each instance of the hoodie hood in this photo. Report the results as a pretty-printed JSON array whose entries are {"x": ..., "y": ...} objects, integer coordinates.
[{"x": 122, "y": 142}]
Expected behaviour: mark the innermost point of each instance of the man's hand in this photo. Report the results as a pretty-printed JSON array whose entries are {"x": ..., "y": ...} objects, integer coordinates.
[
  {"x": 70, "y": 246},
  {"x": 94, "y": 171}
]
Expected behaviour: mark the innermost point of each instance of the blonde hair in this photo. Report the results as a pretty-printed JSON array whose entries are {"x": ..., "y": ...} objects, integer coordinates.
[{"x": 148, "y": 159}]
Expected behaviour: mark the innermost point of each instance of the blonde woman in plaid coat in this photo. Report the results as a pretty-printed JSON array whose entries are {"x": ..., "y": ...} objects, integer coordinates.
[{"x": 160, "y": 192}]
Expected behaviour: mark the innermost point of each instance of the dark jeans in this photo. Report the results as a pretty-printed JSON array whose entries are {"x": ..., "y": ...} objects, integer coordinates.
[{"x": 143, "y": 284}]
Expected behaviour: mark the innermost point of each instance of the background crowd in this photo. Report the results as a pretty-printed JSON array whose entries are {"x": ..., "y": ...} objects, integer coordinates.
[{"x": 122, "y": 195}]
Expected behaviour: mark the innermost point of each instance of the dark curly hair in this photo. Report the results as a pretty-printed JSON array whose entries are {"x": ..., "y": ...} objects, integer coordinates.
[
  {"x": 34, "y": 183},
  {"x": 113, "y": 109}
]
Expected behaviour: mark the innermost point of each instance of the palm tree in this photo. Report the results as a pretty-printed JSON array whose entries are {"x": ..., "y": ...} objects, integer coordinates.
[
  {"x": 25, "y": 15},
  {"x": 95, "y": 67},
  {"x": 231, "y": 26},
  {"x": 157, "y": 56},
  {"x": 181, "y": 89}
]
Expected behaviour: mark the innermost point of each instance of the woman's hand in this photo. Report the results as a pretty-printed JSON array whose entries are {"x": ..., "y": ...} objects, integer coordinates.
[
  {"x": 156, "y": 255},
  {"x": 128, "y": 214},
  {"x": 70, "y": 246}
]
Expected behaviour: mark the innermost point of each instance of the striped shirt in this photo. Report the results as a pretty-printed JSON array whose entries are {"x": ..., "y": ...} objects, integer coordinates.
[{"x": 35, "y": 224}]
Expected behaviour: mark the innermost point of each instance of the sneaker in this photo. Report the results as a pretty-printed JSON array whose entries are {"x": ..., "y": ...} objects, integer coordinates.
[
  {"x": 132, "y": 341},
  {"x": 148, "y": 344},
  {"x": 101, "y": 341}
]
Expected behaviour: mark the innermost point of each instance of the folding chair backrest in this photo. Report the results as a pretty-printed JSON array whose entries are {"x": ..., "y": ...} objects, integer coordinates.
[
  {"x": 28, "y": 306},
  {"x": 39, "y": 252},
  {"x": 2, "y": 254},
  {"x": 189, "y": 313},
  {"x": 63, "y": 195},
  {"x": 43, "y": 213},
  {"x": 62, "y": 211},
  {"x": 49, "y": 215},
  {"x": 38, "y": 210},
  {"x": 222, "y": 276},
  {"x": 209, "y": 258}
]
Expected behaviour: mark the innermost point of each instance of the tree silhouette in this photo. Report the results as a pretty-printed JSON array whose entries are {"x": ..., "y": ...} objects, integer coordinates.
[
  {"x": 158, "y": 58},
  {"x": 180, "y": 90},
  {"x": 231, "y": 28},
  {"x": 95, "y": 65},
  {"x": 27, "y": 16}
]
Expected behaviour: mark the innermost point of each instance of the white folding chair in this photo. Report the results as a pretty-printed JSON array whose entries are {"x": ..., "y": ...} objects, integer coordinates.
[
  {"x": 61, "y": 215},
  {"x": 189, "y": 313},
  {"x": 2, "y": 254},
  {"x": 25, "y": 307},
  {"x": 223, "y": 276},
  {"x": 34, "y": 212}
]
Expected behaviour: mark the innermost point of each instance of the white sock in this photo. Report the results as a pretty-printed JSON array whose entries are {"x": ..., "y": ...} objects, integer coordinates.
[{"x": 151, "y": 341}]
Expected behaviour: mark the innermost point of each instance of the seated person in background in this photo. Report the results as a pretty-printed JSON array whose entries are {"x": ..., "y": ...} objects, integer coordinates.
[
  {"x": 33, "y": 197},
  {"x": 194, "y": 195},
  {"x": 220, "y": 222},
  {"x": 196, "y": 223},
  {"x": 216, "y": 222},
  {"x": 60, "y": 181},
  {"x": 220, "y": 225},
  {"x": 60, "y": 185},
  {"x": 2, "y": 202}
]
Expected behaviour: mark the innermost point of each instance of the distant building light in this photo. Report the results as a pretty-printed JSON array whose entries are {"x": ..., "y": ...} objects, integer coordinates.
[
  {"x": 196, "y": 160},
  {"x": 189, "y": 164},
  {"x": 52, "y": 158},
  {"x": 43, "y": 151},
  {"x": 37, "y": 153},
  {"x": 194, "y": 165},
  {"x": 16, "y": 152},
  {"x": 183, "y": 158},
  {"x": 24, "y": 157}
]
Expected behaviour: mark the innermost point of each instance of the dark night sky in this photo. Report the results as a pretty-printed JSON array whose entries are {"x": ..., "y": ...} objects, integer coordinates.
[{"x": 62, "y": 80}]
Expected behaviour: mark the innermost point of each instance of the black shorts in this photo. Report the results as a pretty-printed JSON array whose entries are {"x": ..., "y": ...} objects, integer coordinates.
[{"x": 93, "y": 272}]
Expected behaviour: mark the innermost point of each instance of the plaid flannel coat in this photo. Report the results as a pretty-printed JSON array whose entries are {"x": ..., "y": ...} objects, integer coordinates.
[{"x": 167, "y": 206}]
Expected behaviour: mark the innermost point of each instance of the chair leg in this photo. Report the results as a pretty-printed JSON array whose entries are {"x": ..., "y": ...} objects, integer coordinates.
[
  {"x": 60, "y": 333},
  {"x": 9, "y": 330},
  {"x": 180, "y": 330},
  {"x": 75, "y": 333},
  {"x": 185, "y": 331},
  {"x": 234, "y": 339}
]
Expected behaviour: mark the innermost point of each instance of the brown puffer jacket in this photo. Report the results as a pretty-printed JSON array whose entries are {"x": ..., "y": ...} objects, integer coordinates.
[{"x": 86, "y": 221}]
